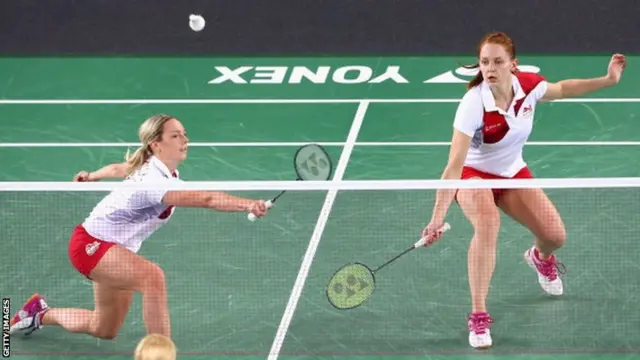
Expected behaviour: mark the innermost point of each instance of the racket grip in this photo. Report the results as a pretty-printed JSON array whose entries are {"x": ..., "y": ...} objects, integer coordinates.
[
  {"x": 424, "y": 240},
  {"x": 253, "y": 217}
]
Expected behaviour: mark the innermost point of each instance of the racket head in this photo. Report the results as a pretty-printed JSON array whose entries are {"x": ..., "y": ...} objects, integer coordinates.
[
  {"x": 350, "y": 286},
  {"x": 312, "y": 163}
]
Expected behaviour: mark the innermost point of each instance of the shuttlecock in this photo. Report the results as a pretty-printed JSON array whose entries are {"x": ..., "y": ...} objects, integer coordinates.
[{"x": 196, "y": 22}]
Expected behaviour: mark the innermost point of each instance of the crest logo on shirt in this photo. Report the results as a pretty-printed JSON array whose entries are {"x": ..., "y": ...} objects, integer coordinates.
[{"x": 527, "y": 111}]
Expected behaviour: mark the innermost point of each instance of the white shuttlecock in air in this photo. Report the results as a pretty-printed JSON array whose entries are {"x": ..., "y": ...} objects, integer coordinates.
[{"x": 196, "y": 22}]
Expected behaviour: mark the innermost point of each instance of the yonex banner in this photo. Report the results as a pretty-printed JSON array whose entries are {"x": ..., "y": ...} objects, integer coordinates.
[
  {"x": 336, "y": 77},
  {"x": 309, "y": 27},
  {"x": 323, "y": 74}
]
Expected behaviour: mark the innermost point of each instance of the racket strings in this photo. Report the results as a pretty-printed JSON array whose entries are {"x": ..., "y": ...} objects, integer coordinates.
[
  {"x": 350, "y": 286},
  {"x": 312, "y": 163}
]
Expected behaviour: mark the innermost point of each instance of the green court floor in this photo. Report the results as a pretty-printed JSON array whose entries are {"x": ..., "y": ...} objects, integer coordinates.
[{"x": 230, "y": 281}]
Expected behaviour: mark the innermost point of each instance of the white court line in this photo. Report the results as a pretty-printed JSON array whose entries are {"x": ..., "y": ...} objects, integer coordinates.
[
  {"x": 298, "y": 143},
  {"x": 269, "y": 101},
  {"x": 317, "y": 232}
]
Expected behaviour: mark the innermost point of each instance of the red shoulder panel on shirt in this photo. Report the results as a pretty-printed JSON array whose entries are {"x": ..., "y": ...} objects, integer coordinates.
[{"x": 528, "y": 80}]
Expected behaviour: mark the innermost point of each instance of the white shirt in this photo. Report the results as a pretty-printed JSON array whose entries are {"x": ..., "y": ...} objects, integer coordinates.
[
  {"x": 128, "y": 217},
  {"x": 499, "y": 136}
]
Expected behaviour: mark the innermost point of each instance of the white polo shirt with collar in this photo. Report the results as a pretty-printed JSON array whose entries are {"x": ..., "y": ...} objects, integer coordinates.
[
  {"x": 128, "y": 217},
  {"x": 498, "y": 137}
]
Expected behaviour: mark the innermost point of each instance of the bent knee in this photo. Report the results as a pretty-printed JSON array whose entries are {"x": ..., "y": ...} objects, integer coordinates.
[
  {"x": 154, "y": 279},
  {"x": 551, "y": 230},
  {"x": 479, "y": 207},
  {"x": 486, "y": 227},
  {"x": 104, "y": 331}
]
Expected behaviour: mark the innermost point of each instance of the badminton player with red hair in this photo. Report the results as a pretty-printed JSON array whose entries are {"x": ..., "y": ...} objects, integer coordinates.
[
  {"x": 492, "y": 124},
  {"x": 104, "y": 247}
]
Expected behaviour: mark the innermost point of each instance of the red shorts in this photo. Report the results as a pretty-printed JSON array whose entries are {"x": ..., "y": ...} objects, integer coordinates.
[
  {"x": 85, "y": 251},
  {"x": 469, "y": 172}
]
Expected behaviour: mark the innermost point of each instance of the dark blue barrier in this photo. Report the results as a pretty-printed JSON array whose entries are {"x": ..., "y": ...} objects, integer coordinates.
[{"x": 313, "y": 27}]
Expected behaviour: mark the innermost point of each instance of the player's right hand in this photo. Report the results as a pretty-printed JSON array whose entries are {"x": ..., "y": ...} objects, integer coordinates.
[
  {"x": 82, "y": 176},
  {"x": 258, "y": 208},
  {"x": 432, "y": 230}
]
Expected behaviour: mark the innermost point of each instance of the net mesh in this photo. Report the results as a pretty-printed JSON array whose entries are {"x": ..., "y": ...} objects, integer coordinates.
[{"x": 230, "y": 280}]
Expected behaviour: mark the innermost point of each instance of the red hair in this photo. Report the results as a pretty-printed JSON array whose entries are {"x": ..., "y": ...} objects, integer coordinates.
[{"x": 499, "y": 38}]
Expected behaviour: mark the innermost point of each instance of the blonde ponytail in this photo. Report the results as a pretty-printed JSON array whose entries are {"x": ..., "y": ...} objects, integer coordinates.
[
  {"x": 139, "y": 157},
  {"x": 150, "y": 131}
]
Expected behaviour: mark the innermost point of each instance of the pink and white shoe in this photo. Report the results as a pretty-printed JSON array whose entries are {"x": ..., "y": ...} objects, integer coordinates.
[
  {"x": 29, "y": 318},
  {"x": 479, "y": 332},
  {"x": 547, "y": 271}
]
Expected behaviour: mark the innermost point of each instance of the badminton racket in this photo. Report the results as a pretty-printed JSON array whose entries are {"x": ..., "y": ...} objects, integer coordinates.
[
  {"x": 311, "y": 163},
  {"x": 354, "y": 283}
]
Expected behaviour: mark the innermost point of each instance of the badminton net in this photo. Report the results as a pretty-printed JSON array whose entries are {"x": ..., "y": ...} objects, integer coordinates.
[{"x": 239, "y": 279}]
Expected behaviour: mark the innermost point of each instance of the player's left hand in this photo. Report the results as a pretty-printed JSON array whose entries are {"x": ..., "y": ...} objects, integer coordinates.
[
  {"x": 258, "y": 208},
  {"x": 616, "y": 67}
]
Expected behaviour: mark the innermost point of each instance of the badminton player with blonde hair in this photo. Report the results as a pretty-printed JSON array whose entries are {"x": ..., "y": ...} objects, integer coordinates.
[{"x": 104, "y": 247}]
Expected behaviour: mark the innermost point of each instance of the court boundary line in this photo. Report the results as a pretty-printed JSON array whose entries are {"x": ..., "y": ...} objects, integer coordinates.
[
  {"x": 301, "y": 143},
  {"x": 274, "y": 101},
  {"x": 323, "y": 218}
]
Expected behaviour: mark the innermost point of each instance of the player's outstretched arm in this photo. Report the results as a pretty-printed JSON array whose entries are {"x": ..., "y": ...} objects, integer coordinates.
[
  {"x": 112, "y": 171},
  {"x": 467, "y": 120},
  {"x": 219, "y": 201},
  {"x": 576, "y": 87}
]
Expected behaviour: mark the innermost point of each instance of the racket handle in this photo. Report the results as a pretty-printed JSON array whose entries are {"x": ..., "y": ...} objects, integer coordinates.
[
  {"x": 253, "y": 217},
  {"x": 426, "y": 241}
]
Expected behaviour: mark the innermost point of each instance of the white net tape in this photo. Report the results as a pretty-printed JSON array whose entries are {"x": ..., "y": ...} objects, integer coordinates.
[{"x": 569, "y": 183}]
